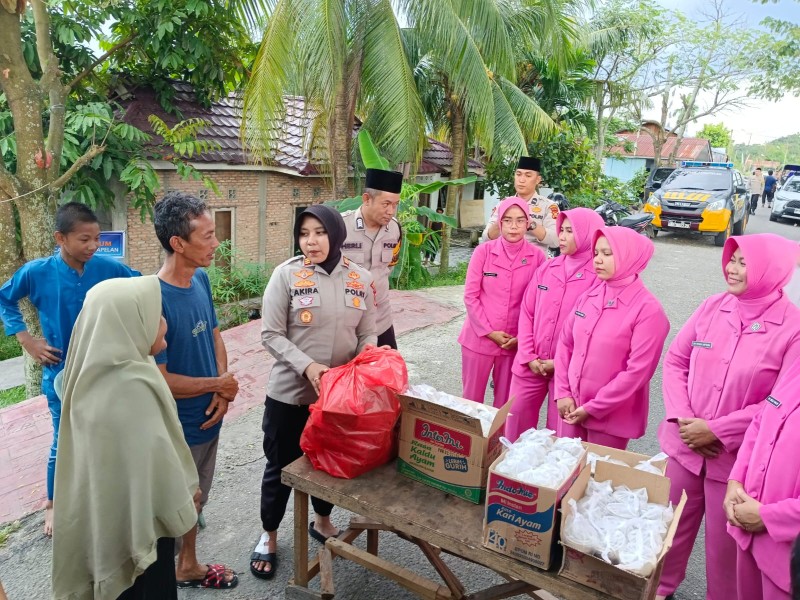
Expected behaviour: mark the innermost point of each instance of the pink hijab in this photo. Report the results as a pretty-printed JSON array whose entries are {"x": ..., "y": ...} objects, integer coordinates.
[
  {"x": 584, "y": 223},
  {"x": 770, "y": 261},
  {"x": 512, "y": 249},
  {"x": 632, "y": 251}
]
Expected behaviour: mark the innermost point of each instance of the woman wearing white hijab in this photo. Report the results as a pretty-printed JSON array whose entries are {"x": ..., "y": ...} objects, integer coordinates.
[{"x": 125, "y": 479}]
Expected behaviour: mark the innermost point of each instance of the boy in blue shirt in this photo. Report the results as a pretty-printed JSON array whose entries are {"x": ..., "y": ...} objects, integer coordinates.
[
  {"x": 56, "y": 286},
  {"x": 769, "y": 189},
  {"x": 195, "y": 363}
]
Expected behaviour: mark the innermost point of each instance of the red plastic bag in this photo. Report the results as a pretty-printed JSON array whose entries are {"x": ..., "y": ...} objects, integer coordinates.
[{"x": 351, "y": 427}]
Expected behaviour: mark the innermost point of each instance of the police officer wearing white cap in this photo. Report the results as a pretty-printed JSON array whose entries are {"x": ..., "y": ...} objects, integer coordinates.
[
  {"x": 373, "y": 241},
  {"x": 542, "y": 232}
]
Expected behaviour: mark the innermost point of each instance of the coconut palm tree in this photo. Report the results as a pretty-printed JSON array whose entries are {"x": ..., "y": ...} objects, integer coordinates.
[
  {"x": 465, "y": 64},
  {"x": 340, "y": 55}
]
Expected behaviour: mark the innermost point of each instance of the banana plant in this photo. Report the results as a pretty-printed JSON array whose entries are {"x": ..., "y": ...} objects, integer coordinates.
[{"x": 417, "y": 238}]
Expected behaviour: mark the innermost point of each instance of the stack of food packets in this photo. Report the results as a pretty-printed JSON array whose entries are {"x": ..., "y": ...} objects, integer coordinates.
[
  {"x": 525, "y": 487},
  {"x": 650, "y": 465},
  {"x": 538, "y": 458},
  {"x": 619, "y": 525},
  {"x": 486, "y": 414}
]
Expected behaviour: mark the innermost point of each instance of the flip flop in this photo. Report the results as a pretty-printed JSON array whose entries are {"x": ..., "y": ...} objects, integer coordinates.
[
  {"x": 318, "y": 536},
  {"x": 260, "y": 554},
  {"x": 214, "y": 579}
]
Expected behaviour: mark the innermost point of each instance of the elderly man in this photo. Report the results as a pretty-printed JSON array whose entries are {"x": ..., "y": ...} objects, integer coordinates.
[
  {"x": 542, "y": 231},
  {"x": 373, "y": 241}
]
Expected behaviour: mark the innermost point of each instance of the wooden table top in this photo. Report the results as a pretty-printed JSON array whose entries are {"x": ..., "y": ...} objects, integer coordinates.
[{"x": 417, "y": 510}]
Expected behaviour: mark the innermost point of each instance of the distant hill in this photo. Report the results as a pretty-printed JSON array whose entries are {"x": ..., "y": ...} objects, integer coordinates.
[{"x": 783, "y": 150}]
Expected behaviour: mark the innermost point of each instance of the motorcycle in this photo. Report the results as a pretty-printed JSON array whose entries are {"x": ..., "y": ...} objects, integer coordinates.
[{"x": 616, "y": 215}]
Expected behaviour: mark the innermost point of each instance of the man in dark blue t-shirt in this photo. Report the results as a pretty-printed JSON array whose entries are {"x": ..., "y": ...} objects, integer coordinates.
[
  {"x": 769, "y": 188},
  {"x": 195, "y": 363}
]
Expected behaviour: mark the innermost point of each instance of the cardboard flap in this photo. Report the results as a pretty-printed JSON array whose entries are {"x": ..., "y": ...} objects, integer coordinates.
[
  {"x": 431, "y": 410},
  {"x": 500, "y": 417},
  {"x": 673, "y": 527},
  {"x": 630, "y": 458},
  {"x": 657, "y": 486}
]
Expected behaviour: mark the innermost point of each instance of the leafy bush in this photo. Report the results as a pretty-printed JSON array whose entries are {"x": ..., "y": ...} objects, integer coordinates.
[
  {"x": 568, "y": 166},
  {"x": 234, "y": 281}
]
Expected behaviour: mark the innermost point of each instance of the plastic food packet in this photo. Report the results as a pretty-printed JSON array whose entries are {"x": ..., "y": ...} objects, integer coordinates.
[
  {"x": 351, "y": 427},
  {"x": 486, "y": 414},
  {"x": 619, "y": 526},
  {"x": 538, "y": 459}
]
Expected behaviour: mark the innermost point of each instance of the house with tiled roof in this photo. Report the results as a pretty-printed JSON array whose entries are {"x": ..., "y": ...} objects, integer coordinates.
[
  {"x": 635, "y": 150},
  {"x": 258, "y": 202}
]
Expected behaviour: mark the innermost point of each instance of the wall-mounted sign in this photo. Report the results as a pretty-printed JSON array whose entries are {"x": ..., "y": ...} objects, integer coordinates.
[{"x": 112, "y": 244}]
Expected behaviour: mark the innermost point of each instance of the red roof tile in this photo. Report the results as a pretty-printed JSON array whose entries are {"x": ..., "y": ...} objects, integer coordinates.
[
  {"x": 224, "y": 118},
  {"x": 690, "y": 149}
]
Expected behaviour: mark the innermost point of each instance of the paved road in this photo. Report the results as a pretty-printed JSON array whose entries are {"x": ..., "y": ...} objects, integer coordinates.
[{"x": 682, "y": 273}]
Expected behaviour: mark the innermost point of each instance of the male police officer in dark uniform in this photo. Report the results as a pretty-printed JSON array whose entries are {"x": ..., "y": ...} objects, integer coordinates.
[{"x": 373, "y": 241}]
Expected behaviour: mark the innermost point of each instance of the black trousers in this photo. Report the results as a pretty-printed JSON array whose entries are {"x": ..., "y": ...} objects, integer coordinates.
[
  {"x": 767, "y": 197},
  {"x": 387, "y": 338},
  {"x": 753, "y": 202},
  {"x": 282, "y": 425},
  {"x": 158, "y": 581}
]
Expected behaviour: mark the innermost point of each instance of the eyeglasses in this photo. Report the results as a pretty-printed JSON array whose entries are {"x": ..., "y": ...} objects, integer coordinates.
[{"x": 521, "y": 222}]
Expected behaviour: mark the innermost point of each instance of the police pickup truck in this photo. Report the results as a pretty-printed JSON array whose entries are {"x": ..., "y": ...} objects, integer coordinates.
[{"x": 707, "y": 197}]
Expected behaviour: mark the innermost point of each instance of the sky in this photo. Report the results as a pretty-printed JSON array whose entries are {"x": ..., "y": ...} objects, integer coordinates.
[{"x": 762, "y": 121}]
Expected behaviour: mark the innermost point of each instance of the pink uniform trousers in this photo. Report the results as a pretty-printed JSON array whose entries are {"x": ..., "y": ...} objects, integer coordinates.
[
  {"x": 752, "y": 583},
  {"x": 528, "y": 392},
  {"x": 475, "y": 370},
  {"x": 590, "y": 435},
  {"x": 704, "y": 496}
]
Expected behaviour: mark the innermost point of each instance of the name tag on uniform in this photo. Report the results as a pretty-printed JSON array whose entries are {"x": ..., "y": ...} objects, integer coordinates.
[
  {"x": 774, "y": 401},
  {"x": 580, "y": 314},
  {"x": 542, "y": 287},
  {"x": 490, "y": 274},
  {"x": 697, "y": 344}
]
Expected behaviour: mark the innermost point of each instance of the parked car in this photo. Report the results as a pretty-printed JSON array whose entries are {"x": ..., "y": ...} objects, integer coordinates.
[
  {"x": 786, "y": 203},
  {"x": 655, "y": 178},
  {"x": 706, "y": 197}
]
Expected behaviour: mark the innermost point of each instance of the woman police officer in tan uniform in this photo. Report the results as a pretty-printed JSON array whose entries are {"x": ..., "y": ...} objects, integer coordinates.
[{"x": 318, "y": 313}]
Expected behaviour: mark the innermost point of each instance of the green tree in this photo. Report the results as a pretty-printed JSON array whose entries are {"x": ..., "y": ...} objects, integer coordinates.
[
  {"x": 717, "y": 134},
  {"x": 343, "y": 57},
  {"x": 55, "y": 98}
]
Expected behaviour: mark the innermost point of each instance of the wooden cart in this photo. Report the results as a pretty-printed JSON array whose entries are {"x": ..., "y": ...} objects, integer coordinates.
[{"x": 436, "y": 522}]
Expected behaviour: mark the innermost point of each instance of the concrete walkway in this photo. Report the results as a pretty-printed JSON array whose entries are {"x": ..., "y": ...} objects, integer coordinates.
[
  {"x": 12, "y": 373},
  {"x": 26, "y": 430}
]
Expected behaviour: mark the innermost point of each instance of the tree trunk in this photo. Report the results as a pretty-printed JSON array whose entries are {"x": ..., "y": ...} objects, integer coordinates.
[
  {"x": 339, "y": 139},
  {"x": 458, "y": 137}
]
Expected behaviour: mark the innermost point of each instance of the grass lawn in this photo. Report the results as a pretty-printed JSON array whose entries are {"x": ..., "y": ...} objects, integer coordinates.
[
  {"x": 12, "y": 396},
  {"x": 9, "y": 347}
]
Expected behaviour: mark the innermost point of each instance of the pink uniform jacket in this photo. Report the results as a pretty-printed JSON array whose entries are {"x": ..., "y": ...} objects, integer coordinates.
[
  {"x": 768, "y": 466},
  {"x": 609, "y": 350},
  {"x": 715, "y": 370},
  {"x": 493, "y": 293},
  {"x": 553, "y": 292},
  {"x": 728, "y": 356}
]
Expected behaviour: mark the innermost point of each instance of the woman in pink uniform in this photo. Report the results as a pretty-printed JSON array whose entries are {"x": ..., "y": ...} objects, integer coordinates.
[
  {"x": 610, "y": 346},
  {"x": 716, "y": 374},
  {"x": 762, "y": 503},
  {"x": 548, "y": 300},
  {"x": 498, "y": 273}
]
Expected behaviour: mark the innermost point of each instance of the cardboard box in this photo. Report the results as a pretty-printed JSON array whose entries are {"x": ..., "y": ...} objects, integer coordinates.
[
  {"x": 446, "y": 449},
  {"x": 629, "y": 458},
  {"x": 598, "y": 574},
  {"x": 521, "y": 519}
]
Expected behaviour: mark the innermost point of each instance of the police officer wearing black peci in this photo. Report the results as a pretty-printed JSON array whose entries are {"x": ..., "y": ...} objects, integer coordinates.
[
  {"x": 373, "y": 241},
  {"x": 318, "y": 312}
]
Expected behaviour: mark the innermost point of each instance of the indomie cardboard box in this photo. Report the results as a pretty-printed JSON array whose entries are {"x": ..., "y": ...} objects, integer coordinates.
[
  {"x": 521, "y": 519},
  {"x": 595, "y": 572},
  {"x": 446, "y": 449},
  {"x": 629, "y": 458}
]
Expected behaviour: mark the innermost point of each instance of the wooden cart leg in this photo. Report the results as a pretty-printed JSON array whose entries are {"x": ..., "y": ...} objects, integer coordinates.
[
  {"x": 450, "y": 579},
  {"x": 372, "y": 541},
  {"x": 326, "y": 574},
  {"x": 300, "y": 538}
]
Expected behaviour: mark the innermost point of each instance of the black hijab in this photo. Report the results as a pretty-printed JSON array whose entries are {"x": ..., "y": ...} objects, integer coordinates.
[{"x": 334, "y": 226}]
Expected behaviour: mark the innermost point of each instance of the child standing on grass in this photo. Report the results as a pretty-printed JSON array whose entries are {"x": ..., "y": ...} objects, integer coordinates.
[{"x": 57, "y": 285}]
